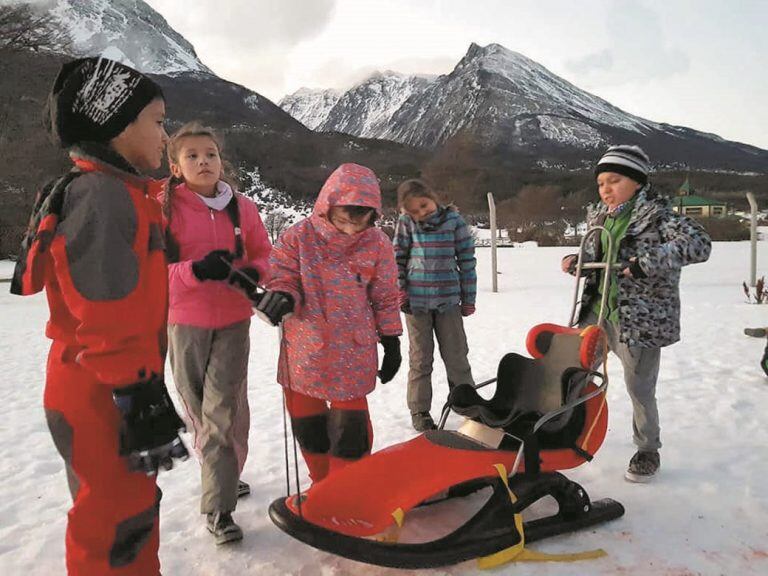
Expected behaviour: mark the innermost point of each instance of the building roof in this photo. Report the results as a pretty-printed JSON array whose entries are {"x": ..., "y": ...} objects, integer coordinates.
[{"x": 693, "y": 200}]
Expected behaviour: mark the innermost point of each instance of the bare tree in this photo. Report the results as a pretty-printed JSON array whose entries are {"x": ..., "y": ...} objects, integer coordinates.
[
  {"x": 276, "y": 221},
  {"x": 532, "y": 207},
  {"x": 23, "y": 28}
]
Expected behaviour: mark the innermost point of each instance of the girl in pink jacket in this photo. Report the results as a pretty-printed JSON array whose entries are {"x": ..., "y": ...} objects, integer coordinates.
[
  {"x": 336, "y": 274},
  {"x": 218, "y": 250}
]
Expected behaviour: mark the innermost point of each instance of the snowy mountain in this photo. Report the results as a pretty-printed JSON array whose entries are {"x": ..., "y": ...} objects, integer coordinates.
[
  {"x": 127, "y": 30},
  {"x": 310, "y": 107},
  {"x": 364, "y": 110},
  {"x": 502, "y": 95},
  {"x": 505, "y": 101}
]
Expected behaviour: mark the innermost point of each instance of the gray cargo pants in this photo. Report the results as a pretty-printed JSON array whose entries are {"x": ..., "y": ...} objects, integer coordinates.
[
  {"x": 210, "y": 369},
  {"x": 641, "y": 371},
  {"x": 448, "y": 327}
]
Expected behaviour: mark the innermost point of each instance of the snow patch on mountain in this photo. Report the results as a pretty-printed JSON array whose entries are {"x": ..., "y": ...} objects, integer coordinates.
[
  {"x": 278, "y": 210},
  {"x": 270, "y": 199},
  {"x": 570, "y": 132},
  {"x": 126, "y": 30},
  {"x": 535, "y": 83},
  {"x": 367, "y": 109},
  {"x": 310, "y": 107}
]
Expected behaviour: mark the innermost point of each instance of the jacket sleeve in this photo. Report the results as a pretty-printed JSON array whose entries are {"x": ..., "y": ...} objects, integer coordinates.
[
  {"x": 285, "y": 269},
  {"x": 402, "y": 243},
  {"x": 466, "y": 261},
  {"x": 257, "y": 244},
  {"x": 100, "y": 277},
  {"x": 684, "y": 241},
  {"x": 180, "y": 274},
  {"x": 383, "y": 292}
]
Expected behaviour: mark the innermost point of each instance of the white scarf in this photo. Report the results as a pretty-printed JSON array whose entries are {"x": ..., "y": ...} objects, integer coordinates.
[{"x": 221, "y": 199}]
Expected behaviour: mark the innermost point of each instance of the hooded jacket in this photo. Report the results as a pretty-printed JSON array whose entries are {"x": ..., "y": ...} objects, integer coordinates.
[{"x": 345, "y": 293}]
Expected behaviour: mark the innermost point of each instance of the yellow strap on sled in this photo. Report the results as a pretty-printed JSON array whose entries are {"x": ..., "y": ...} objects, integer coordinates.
[
  {"x": 518, "y": 552},
  {"x": 392, "y": 534}
]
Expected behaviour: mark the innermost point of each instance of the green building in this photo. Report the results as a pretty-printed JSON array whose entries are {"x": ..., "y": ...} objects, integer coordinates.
[{"x": 693, "y": 205}]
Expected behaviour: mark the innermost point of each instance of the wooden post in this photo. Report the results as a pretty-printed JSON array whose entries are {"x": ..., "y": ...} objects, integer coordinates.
[
  {"x": 494, "y": 274},
  {"x": 753, "y": 239}
]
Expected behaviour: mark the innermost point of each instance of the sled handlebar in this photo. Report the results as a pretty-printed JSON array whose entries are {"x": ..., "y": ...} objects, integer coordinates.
[{"x": 606, "y": 279}]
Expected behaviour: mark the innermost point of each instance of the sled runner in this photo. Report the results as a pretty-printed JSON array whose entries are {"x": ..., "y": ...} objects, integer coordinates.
[{"x": 548, "y": 414}]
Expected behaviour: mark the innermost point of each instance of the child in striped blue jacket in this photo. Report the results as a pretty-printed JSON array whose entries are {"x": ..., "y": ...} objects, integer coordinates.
[{"x": 435, "y": 255}]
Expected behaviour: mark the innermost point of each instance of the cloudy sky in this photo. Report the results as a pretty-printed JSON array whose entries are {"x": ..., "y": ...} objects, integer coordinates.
[{"x": 696, "y": 63}]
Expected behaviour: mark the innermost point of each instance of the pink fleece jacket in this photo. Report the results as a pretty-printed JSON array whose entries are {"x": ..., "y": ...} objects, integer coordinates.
[{"x": 197, "y": 230}]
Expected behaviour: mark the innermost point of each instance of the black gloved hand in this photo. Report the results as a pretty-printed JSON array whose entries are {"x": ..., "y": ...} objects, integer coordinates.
[
  {"x": 149, "y": 432},
  {"x": 247, "y": 279},
  {"x": 635, "y": 269},
  {"x": 216, "y": 265},
  {"x": 274, "y": 306},
  {"x": 390, "y": 364}
]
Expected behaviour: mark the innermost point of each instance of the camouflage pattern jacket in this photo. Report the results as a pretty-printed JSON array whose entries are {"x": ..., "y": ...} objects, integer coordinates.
[{"x": 663, "y": 242}]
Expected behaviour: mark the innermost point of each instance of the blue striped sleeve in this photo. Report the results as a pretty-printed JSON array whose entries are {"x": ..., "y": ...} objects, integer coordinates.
[
  {"x": 465, "y": 257},
  {"x": 402, "y": 242}
]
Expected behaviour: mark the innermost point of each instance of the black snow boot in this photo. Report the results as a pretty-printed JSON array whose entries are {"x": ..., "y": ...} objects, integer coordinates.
[
  {"x": 643, "y": 466},
  {"x": 223, "y": 528}
]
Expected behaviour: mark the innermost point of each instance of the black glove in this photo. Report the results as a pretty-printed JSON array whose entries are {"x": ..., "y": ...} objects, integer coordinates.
[
  {"x": 247, "y": 279},
  {"x": 635, "y": 269},
  {"x": 216, "y": 265},
  {"x": 390, "y": 364},
  {"x": 274, "y": 306},
  {"x": 149, "y": 432}
]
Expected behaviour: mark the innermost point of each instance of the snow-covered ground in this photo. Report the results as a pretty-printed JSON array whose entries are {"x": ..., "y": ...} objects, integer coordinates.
[{"x": 705, "y": 514}]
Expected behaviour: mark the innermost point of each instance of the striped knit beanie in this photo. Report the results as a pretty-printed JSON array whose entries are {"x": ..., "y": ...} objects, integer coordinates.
[
  {"x": 627, "y": 160},
  {"x": 95, "y": 99}
]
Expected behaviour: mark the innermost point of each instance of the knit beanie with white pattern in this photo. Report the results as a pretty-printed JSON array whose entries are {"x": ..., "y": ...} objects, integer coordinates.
[{"x": 94, "y": 99}]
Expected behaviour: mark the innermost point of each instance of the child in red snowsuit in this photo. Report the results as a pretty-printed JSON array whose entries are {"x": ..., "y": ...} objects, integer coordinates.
[{"x": 95, "y": 243}]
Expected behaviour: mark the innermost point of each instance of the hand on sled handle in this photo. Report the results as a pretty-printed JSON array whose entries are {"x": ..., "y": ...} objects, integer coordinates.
[
  {"x": 273, "y": 307},
  {"x": 390, "y": 364},
  {"x": 633, "y": 269},
  {"x": 215, "y": 265},
  {"x": 568, "y": 264},
  {"x": 247, "y": 280},
  {"x": 149, "y": 431}
]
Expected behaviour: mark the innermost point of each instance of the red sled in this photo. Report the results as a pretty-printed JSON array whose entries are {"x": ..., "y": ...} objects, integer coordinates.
[{"x": 548, "y": 413}]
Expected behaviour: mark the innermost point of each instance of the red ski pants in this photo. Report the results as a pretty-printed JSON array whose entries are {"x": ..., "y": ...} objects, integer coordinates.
[
  {"x": 112, "y": 527},
  {"x": 331, "y": 434}
]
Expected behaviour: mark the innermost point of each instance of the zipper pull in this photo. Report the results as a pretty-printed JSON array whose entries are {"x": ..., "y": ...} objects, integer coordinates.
[{"x": 211, "y": 211}]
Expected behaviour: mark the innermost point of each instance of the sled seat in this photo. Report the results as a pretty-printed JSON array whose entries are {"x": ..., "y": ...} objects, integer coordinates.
[{"x": 540, "y": 399}]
